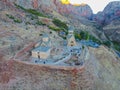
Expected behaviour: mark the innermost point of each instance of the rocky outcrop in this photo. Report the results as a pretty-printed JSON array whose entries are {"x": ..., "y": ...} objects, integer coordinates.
[{"x": 35, "y": 4}]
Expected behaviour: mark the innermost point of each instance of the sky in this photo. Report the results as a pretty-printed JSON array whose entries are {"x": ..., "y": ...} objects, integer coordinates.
[{"x": 96, "y": 5}]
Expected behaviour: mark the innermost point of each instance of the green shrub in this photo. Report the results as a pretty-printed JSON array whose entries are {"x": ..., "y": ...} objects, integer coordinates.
[
  {"x": 107, "y": 43},
  {"x": 10, "y": 16},
  {"x": 64, "y": 37},
  {"x": 60, "y": 24},
  {"x": 40, "y": 23},
  {"x": 94, "y": 39},
  {"x": 86, "y": 36},
  {"x": 77, "y": 36},
  {"x": 13, "y": 18},
  {"x": 35, "y": 12},
  {"x": 32, "y": 11},
  {"x": 57, "y": 30},
  {"x": 83, "y": 47},
  {"x": 17, "y": 20},
  {"x": 116, "y": 45},
  {"x": 82, "y": 35},
  {"x": 54, "y": 28},
  {"x": 20, "y": 7},
  {"x": 33, "y": 17}
]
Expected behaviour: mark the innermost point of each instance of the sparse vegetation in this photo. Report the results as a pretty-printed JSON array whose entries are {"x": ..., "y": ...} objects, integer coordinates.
[
  {"x": 116, "y": 45},
  {"x": 81, "y": 35},
  {"x": 94, "y": 39},
  {"x": 32, "y": 11},
  {"x": 77, "y": 36},
  {"x": 14, "y": 18},
  {"x": 33, "y": 17},
  {"x": 54, "y": 28},
  {"x": 83, "y": 47},
  {"x": 10, "y": 16},
  {"x": 20, "y": 7},
  {"x": 61, "y": 27},
  {"x": 60, "y": 24},
  {"x": 107, "y": 43},
  {"x": 17, "y": 20},
  {"x": 40, "y": 23},
  {"x": 86, "y": 36},
  {"x": 58, "y": 30},
  {"x": 112, "y": 44},
  {"x": 35, "y": 12}
]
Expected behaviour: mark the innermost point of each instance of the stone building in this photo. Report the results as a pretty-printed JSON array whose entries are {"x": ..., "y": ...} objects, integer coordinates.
[
  {"x": 42, "y": 48},
  {"x": 70, "y": 38},
  {"x": 41, "y": 52}
]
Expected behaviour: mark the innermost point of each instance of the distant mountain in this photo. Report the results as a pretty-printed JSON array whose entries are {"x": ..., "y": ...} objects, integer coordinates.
[
  {"x": 109, "y": 19},
  {"x": 110, "y": 13},
  {"x": 76, "y": 11}
]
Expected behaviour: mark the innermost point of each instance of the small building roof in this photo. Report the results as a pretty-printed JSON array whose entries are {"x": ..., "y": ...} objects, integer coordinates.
[
  {"x": 41, "y": 48},
  {"x": 47, "y": 43}
]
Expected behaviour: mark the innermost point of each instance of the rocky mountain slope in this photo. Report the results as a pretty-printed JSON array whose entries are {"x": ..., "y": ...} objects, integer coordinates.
[
  {"x": 73, "y": 15},
  {"x": 110, "y": 13},
  {"x": 54, "y": 5},
  {"x": 109, "y": 18}
]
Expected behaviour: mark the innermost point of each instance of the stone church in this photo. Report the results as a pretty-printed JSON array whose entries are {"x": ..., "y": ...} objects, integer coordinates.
[{"x": 70, "y": 38}]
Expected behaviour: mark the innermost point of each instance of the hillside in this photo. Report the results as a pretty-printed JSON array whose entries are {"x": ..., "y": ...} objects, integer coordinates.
[{"x": 100, "y": 71}]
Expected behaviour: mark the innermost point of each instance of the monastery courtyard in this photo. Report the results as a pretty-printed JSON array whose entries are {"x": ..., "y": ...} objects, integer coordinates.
[{"x": 67, "y": 52}]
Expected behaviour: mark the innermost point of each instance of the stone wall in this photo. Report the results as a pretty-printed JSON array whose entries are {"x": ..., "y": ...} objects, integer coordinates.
[{"x": 25, "y": 76}]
